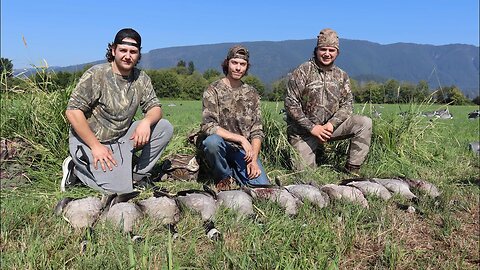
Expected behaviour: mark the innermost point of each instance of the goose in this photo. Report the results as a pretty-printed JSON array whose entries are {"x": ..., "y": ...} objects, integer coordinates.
[
  {"x": 236, "y": 200},
  {"x": 427, "y": 187},
  {"x": 337, "y": 192},
  {"x": 82, "y": 214},
  {"x": 443, "y": 114},
  {"x": 275, "y": 194},
  {"x": 162, "y": 207},
  {"x": 203, "y": 202},
  {"x": 368, "y": 188},
  {"x": 306, "y": 192},
  {"x": 124, "y": 214},
  {"x": 474, "y": 147},
  {"x": 396, "y": 186},
  {"x": 473, "y": 115}
]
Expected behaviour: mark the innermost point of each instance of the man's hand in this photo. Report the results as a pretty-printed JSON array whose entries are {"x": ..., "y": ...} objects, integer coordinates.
[
  {"x": 253, "y": 170},
  {"x": 322, "y": 132},
  {"x": 247, "y": 147},
  {"x": 141, "y": 135},
  {"x": 104, "y": 155}
]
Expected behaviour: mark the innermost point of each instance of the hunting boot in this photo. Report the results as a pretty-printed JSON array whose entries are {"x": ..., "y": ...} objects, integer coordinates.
[
  {"x": 353, "y": 170},
  {"x": 228, "y": 183}
]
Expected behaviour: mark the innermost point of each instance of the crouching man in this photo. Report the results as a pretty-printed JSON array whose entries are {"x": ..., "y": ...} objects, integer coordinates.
[
  {"x": 319, "y": 107},
  {"x": 232, "y": 123},
  {"x": 103, "y": 136}
]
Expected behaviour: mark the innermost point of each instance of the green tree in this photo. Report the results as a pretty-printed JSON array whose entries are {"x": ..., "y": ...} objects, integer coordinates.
[
  {"x": 211, "y": 75},
  {"x": 476, "y": 100},
  {"x": 63, "y": 79},
  {"x": 392, "y": 89},
  {"x": 422, "y": 91},
  {"x": 166, "y": 83},
  {"x": 181, "y": 63},
  {"x": 455, "y": 96},
  {"x": 406, "y": 93},
  {"x": 191, "y": 68},
  {"x": 256, "y": 83},
  {"x": 193, "y": 86},
  {"x": 181, "y": 68},
  {"x": 279, "y": 88},
  {"x": 6, "y": 67}
]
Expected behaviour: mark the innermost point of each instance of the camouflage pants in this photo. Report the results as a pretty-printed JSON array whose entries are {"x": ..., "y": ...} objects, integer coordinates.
[{"x": 357, "y": 128}]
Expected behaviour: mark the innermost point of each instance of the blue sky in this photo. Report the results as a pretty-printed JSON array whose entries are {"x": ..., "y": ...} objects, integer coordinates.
[{"x": 66, "y": 33}]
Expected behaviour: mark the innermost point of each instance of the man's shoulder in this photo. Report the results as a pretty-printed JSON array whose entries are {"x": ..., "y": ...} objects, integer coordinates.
[
  {"x": 215, "y": 86},
  {"x": 307, "y": 65},
  {"x": 98, "y": 70},
  {"x": 340, "y": 71},
  {"x": 101, "y": 67}
]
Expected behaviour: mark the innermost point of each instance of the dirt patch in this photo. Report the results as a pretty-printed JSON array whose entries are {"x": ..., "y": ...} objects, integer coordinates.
[
  {"x": 416, "y": 242},
  {"x": 12, "y": 171}
]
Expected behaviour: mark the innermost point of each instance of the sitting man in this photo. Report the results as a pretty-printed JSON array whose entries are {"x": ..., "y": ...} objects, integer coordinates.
[
  {"x": 103, "y": 136},
  {"x": 319, "y": 107},
  {"x": 232, "y": 123}
]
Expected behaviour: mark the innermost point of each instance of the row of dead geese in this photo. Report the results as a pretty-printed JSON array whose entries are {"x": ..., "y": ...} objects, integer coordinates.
[{"x": 166, "y": 208}]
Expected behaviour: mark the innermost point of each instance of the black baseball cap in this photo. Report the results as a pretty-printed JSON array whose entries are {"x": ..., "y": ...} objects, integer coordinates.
[{"x": 128, "y": 33}]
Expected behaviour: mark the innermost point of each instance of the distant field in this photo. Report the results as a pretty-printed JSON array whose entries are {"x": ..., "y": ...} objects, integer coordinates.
[{"x": 442, "y": 234}]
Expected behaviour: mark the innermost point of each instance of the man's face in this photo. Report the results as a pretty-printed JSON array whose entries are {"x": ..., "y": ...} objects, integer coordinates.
[
  {"x": 126, "y": 56},
  {"x": 237, "y": 68},
  {"x": 326, "y": 55}
]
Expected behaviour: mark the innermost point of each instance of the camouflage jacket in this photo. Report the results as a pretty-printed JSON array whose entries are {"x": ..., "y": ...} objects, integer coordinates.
[
  {"x": 110, "y": 101},
  {"x": 236, "y": 110},
  {"x": 315, "y": 96}
]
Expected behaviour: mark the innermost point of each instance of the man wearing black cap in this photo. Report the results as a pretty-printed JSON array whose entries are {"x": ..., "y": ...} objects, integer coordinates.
[
  {"x": 319, "y": 107},
  {"x": 104, "y": 136},
  {"x": 232, "y": 123}
]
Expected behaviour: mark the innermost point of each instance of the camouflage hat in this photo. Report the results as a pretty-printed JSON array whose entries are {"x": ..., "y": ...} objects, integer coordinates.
[
  {"x": 238, "y": 51},
  {"x": 328, "y": 38}
]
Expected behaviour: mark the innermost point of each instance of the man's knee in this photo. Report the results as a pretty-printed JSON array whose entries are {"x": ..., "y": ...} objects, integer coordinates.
[
  {"x": 212, "y": 143},
  {"x": 164, "y": 128},
  {"x": 362, "y": 121}
]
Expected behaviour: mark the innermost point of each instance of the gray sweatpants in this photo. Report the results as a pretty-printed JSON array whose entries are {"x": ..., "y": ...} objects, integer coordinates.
[
  {"x": 357, "y": 128},
  {"x": 120, "y": 179}
]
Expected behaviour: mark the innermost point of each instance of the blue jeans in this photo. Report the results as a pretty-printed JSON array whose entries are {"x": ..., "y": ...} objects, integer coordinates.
[{"x": 226, "y": 160}]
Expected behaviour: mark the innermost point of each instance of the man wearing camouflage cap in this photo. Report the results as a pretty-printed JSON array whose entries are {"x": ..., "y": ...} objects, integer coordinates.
[
  {"x": 319, "y": 105},
  {"x": 104, "y": 136},
  {"x": 232, "y": 125}
]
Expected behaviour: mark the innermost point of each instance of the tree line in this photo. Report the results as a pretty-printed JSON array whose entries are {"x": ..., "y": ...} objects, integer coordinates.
[{"x": 184, "y": 82}]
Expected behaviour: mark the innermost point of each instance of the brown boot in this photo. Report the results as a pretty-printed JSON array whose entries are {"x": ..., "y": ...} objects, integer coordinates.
[
  {"x": 353, "y": 170},
  {"x": 225, "y": 184}
]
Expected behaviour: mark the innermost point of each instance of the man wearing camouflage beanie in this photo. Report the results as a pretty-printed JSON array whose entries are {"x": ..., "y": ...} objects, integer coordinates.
[{"x": 319, "y": 105}]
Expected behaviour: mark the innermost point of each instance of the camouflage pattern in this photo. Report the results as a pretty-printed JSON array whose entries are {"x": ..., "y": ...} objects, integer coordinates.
[
  {"x": 317, "y": 95},
  {"x": 236, "y": 110},
  {"x": 110, "y": 101},
  {"x": 238, "y": 51},
  {"x": 357, "y": 128},
  {"x": 328, "y": 38}
]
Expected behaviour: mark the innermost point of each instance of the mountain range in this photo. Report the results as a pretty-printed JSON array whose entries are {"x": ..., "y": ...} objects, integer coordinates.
[{"x": 439, "y": 65}]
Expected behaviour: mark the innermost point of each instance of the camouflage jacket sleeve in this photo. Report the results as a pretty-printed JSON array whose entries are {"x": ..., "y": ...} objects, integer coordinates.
[
  {"x": 149, "y": 98},
  {"x": 293, "y": 105},
  {"x": 210, "y": 115},
  {"x": 345, "y": 107},
  {"x": 257, "y": 128}
]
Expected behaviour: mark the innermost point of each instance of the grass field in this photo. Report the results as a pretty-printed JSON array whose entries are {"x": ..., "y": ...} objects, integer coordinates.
[{"x": 443, "y": 235}]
